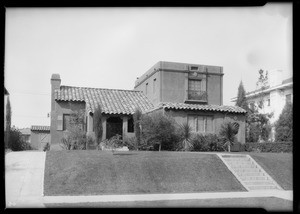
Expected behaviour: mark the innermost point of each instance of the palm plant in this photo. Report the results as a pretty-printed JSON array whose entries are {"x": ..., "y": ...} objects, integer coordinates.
[
  {"x": 186, "y": 134},
  {"x": 227, "y": 132}
]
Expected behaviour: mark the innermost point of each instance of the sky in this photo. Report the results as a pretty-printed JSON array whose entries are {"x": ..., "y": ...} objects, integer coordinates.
[{"x": 111, "y": 47}]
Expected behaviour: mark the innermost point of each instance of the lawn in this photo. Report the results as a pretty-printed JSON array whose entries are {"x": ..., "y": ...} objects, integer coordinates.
[
  {"x": 278, "y": 165},
  {"x": 101, "y": 172},
  {"x": 268, "y": 203}
]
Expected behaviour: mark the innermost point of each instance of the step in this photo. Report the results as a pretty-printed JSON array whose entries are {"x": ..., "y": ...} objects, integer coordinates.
[
  {"x": 237, "y": 160},
  {"x": 259, "y": 183},
  {"x": 240, "y": 170},
  {"x": 242, "y": 165},
  {"x": 255, "y": 178},
  {"x": 263, "y": 187},
  {"x": 250, "y": 174}
]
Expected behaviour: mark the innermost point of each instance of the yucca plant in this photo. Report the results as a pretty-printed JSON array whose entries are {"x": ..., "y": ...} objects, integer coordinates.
[
  {"x": 227, "y": 132},
  {"x": 186, "y": 136}
]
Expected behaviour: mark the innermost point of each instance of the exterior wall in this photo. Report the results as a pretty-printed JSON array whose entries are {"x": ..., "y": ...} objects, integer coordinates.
[
  {"x": 60, "y": 108},
  {"x": 172, "y": 82},
  {"x": 277, "y": 102},
  {"x": 181, "y": 117},
  {"x": 39, "y": 139}
]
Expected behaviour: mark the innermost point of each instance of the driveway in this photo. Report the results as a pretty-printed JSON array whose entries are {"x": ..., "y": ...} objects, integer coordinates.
[{"x": 24, "y": 176}]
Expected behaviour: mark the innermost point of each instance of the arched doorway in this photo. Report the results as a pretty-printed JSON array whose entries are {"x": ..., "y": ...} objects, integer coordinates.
[{"x": 114, "y": 125}]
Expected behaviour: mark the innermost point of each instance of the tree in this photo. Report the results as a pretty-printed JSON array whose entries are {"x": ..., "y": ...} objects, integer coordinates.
[
  {"x": 8, "y": 123},
  {"x": 98, "y": 124},
  {"x": 160, "y": 129},
  {"x": 261, "y": 85},
  {"x": 227, "y": 132},
  {"x": 137, "y": 125},
  {"x": 241, "y": 97},
  {"x": 16, "y": 142},
  {"x": 284, "y": 125}
]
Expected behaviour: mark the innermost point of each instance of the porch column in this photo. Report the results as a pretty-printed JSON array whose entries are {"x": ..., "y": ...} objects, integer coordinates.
[
  {"x": 89, "y": 124},
  {"x": 125, "y": 126},
  {"x": 103, "y": 119}
]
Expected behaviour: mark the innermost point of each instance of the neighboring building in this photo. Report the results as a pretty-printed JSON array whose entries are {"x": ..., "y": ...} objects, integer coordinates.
[
  {"x": 273, "y": 98},
  {"x": 189, "y": 92},
  {"x": 25, "y": 134},
  {"x": 40, "y": 136}
]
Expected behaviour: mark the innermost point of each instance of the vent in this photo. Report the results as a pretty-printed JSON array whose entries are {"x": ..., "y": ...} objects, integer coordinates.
[{"x": 194, "y": 68}]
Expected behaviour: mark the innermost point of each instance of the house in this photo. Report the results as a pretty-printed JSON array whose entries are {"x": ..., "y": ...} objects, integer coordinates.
[
  {"x": 272, "y": 98},
  {"x": 40, "y": 136},
  {"x": 118, "y": 107},
  {"x": 25, "y": 134},
  {"x": 189, "y": 92}
]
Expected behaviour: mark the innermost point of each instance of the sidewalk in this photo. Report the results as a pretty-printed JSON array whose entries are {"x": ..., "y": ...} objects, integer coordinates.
[{"x": 24, "y": 179}]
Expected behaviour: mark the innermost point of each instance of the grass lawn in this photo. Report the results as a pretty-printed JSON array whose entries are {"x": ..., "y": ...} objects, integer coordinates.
[
  {"x": 269, "y": 204},
  {"x": 278, "y": 165},
  {"x": 100, "y": 172}
]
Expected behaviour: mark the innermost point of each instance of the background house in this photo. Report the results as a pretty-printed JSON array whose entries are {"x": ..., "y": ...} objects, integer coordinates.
[
  {"x": 273, "y": 97},
  {"x": 40, "y": 136}
]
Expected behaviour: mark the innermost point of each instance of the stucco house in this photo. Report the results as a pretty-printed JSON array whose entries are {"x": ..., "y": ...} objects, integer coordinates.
[
  {"x": 273, "y": 97},
  {"x": 40, "y": 136},
  {"x": 189, "y": 92},
  {"x": 25, "y": 135}
]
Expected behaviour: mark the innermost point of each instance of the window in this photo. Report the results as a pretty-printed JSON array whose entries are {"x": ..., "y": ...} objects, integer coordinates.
[
  {"x": 66, "y": 122},
  {"x": 203, "y": 124},
  {"x": 154, "y": 85},
  {"x": 197, "y": 89},
  {"x": 194, "y": 85},
  {"x": 146, "y": 88},
  {"x": 288, "y": 98},
  {"x": 268, "y": 102},
  {"x": 130, "y": 125}
]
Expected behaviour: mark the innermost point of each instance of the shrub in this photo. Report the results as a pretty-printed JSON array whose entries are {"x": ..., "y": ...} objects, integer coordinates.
[
  {"x": 227, "y": 133},
  {"x": 284, "y": 125},
  {"x": 112, "y": 143},
  {"x": 185, "y": 135},
  {"x": 252, "y": 132},
  {"x": 208, "y": 142},
  {"x": 16, "y": 142},
  {"x": 159, "y": 129},
  {"x": 46, "y": 147},
  {"x": 131, "y": 143},
  {"x": 90, "y": 142},
  {"x": 269, "y": 147},
  {"x": 66, "y": 143}
]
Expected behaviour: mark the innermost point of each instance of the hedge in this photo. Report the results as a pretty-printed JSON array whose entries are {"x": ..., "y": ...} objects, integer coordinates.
[{"x": 275, "y": 147}]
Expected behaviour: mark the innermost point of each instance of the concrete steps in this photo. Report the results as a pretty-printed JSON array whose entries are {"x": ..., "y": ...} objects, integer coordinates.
[{"x": 249, "y": 173}]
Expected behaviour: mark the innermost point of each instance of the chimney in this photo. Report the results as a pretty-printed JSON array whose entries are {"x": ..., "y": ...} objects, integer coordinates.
[{"x": 55, "y": 84}]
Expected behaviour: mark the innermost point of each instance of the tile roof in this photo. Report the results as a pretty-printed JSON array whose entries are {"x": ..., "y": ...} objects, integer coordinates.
[
  {"x": 185, "y": 106},
  {"x": 40, "y": 128},
  {"x": 111, "y": 101}
]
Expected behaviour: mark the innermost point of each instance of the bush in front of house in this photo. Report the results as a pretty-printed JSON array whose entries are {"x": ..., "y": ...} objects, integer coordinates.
[
  {"x": 275, "y": 147},
  {"x": 46, "y": 147},
  {"x": 16, "y": 143},
  {"x": 159, "y": 129},
  {"x": 207, "y": 143}
]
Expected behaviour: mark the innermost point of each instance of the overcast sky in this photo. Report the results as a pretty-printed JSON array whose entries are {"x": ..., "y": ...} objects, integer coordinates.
[{"x": 111, "y": 47}]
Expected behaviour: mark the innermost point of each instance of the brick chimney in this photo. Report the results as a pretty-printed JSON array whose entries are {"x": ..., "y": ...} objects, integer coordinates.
[{"x": 55, "y": 84}]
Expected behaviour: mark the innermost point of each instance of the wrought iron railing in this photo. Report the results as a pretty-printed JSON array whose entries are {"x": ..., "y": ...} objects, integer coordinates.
[{"x": 197, "y": 95}]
